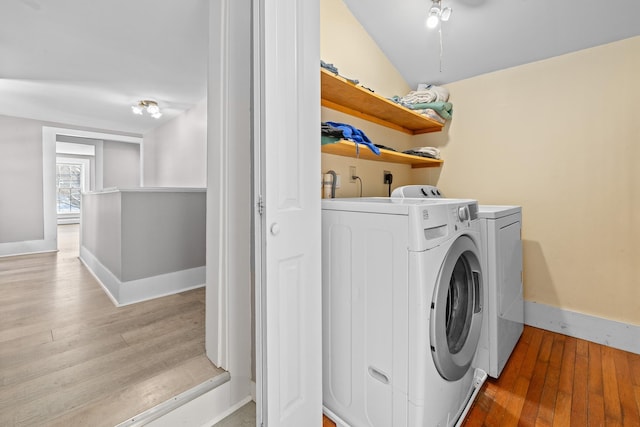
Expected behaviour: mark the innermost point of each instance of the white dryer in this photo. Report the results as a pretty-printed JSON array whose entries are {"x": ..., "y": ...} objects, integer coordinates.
[
  {"x": 402, "y": 309},
  {"x": 500, "y": 228}
]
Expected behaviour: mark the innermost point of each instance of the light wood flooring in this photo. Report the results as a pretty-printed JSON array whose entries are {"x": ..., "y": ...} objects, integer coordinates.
[
  {"x": 69, "y": 357},
  {"x": 555, "y": 380}
]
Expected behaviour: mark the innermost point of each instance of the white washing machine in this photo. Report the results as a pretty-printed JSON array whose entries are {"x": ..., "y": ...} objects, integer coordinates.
[
  {"x": 500, "y": 228},
  {"x": 402, "y": 300}
]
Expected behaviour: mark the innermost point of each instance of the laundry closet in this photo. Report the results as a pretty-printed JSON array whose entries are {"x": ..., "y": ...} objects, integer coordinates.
[
  {"x": 376, "y": 295},
  {"x": 344, "y": 43}
]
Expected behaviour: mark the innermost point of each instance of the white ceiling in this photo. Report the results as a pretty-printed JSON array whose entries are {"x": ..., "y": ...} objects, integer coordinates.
[
  {"x": 85, "y": 62},
  {"x": 489, "y": 35}
]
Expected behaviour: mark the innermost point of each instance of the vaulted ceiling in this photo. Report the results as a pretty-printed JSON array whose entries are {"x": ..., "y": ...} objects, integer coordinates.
[
  {"x": 482, "y": 36},
  {"x": 85, "y": 62}
]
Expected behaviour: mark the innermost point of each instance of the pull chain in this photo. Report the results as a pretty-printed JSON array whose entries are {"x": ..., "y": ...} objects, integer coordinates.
[{"x": 440, "y": 35}]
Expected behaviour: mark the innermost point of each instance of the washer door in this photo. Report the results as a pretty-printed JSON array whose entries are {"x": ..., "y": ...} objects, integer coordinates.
[{"x": 456, "y": 310}]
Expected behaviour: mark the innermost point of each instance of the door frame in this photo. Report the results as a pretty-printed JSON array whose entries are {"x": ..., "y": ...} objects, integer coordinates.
[{"x": 50, "y": 215}]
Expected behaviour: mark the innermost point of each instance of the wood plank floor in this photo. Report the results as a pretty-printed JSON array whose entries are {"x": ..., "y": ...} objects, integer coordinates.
[
  {"x": 555, "y": 380},
  {"x": 69, "y": 357}
]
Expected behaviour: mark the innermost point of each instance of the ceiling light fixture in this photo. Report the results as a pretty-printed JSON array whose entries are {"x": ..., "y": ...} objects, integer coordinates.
[
  {"x": 437, "y": 14},
  {"x": 151, "y": 107}
]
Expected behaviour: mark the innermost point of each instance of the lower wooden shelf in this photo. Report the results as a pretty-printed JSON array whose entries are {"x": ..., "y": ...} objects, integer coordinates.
[{"x": 348, "y": 149}]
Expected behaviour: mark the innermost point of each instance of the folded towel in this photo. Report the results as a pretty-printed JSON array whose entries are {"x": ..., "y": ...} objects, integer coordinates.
[
  {"x": 430, "y": 152},
  {"x": 432, "y": 114},
  {"x": 444, "y": 109},
  {"x": 442, "y": 93},
  {"x": 419, "y": 96}
]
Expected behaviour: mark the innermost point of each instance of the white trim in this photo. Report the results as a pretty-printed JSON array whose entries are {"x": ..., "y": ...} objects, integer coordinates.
[
  {"x": 170, "y": 405},
  {"x": 218, "y": 122},
  {"x": 93, "y": 135},
  {"x": 50, "y": 217},
  {"x": 74, "y": 218},
  {"x": 150, "y": 190},
  {"x": 27, "y": 247},
  {"x": 232, "y": 410},
  {"x": 69, "y": 220},
  {"x": 50, "y": 212},
  {"x": 205, "y": 410},
  {"x": 133, "y": 291},
  {"x": 607, "y": 332},
  {"x": 339, "y": 422},
  {"x": 259, "y": 386}
]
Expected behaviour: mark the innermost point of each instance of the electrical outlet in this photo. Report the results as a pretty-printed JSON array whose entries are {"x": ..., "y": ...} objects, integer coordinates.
[
  {"x": 384, "y": 176},
  {"x": 337, "y": 181},
  {"x": 352, "y": 173}
]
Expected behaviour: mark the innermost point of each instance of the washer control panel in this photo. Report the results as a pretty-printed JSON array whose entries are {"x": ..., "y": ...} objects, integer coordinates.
[{"x": 463, "y": 213}]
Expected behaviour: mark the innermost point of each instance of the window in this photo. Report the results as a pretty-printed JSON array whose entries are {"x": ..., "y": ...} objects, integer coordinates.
[{"x": 69, "y": 187}]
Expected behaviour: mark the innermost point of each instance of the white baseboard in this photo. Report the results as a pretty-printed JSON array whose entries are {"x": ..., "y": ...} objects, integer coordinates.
[
  {"x": 176, "y": 403},
  {"x": 206, "y": 410},
  {"x": 619, "y": 335},
  {"x": 28, "y": 247},
  {"x": 67, "y": 221},
  {"x": 133, "y": 291},
  {"x": 253, "y": 391}
]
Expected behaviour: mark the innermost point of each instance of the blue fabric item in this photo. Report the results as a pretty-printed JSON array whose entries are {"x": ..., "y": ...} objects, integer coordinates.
[
  {"x": 329, "y": 67},
  {"x": 356, "y": 135}
]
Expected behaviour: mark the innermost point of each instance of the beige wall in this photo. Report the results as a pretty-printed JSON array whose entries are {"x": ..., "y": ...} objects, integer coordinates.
[
  {"x": 558, "y": 137},
  {"x": 345, "y": 43}
]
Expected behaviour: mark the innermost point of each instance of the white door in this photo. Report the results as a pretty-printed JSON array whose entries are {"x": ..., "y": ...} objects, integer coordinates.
[{"x": 287, "y": 123}]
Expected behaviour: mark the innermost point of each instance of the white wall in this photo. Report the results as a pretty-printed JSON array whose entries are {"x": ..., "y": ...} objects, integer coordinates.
[
  {"x": 175, "y": 154},
  {"x": 162, "y": 232},
  {"x": 101, "y": 228},
  {"x": 22, "y": 220},
  {"x": 121, "y": 164},
  {"x": 21, "y": 211}
]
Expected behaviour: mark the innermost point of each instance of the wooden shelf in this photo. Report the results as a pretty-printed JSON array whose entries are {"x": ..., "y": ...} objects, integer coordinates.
[
  {"x": 348, "y": 149},
  {"x": 341, "y": 95}
]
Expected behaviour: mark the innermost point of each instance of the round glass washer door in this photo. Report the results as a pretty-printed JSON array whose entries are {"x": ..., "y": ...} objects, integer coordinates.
[{"x": 456, "y": 310}]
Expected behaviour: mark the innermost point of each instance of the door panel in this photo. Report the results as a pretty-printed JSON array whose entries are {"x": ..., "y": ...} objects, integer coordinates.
[{"x": 291, "y": 371}]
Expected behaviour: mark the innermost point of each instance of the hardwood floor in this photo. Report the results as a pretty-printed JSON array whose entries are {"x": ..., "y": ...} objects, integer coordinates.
[
  {"x": 69, "y": 357},
  {"x": 555, "y": 380}
]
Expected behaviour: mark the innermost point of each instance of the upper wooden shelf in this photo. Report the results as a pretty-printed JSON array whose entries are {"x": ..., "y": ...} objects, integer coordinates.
[
  {"x": 341, "y": 95},
  {"x": 348, "y": 149}
]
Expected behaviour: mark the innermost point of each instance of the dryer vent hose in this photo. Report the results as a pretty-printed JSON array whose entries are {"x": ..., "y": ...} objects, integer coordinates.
[{"x": 329, "y": 185}]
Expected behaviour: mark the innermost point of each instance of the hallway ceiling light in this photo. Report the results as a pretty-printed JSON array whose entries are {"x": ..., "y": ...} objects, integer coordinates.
[
  {"x": 437, "y": 14},
  {"x": 151, "y": 107}
]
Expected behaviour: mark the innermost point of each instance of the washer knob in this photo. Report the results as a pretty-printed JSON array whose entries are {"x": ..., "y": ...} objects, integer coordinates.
[{"x": 463, "y": 213}]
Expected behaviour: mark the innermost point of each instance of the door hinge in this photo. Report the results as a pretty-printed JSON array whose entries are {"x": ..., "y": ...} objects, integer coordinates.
[{"x": 260, "y": 205}]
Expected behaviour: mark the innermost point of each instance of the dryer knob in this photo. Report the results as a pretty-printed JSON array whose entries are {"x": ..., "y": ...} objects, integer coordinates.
[{"x": 463, "y": 213}]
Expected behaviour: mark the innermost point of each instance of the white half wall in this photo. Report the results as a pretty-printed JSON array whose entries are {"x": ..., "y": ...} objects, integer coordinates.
[
  {"x": 144, "y": 243},
  {"x": 132, "y": 291}
]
